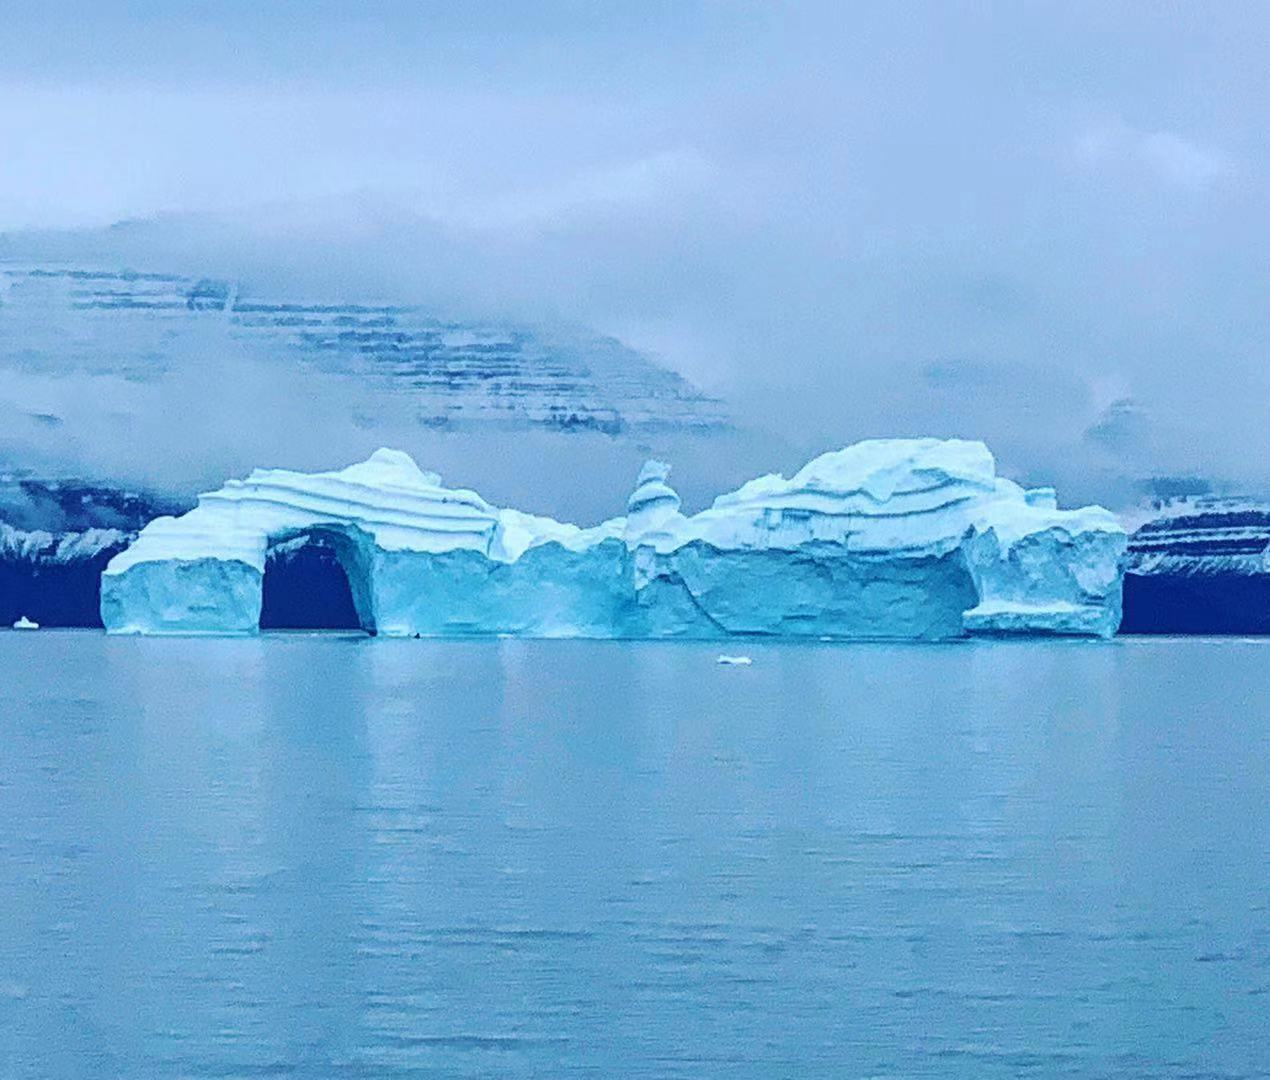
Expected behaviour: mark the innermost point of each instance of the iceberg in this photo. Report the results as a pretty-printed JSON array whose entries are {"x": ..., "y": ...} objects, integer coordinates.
[{"x": 887, "y": 538}]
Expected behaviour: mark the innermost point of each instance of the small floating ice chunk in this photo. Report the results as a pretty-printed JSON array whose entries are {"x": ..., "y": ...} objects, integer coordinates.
[
  {"x": 26, "y": 624},
  {"x": 734, "y": 661},
  {"x": 15, "y": 991}
]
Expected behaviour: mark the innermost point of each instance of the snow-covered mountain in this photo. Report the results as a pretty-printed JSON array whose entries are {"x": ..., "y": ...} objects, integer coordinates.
[
  {"x": 457, "y": 374},
  {"x": 56, "y": 537},
  {"x": 1201, "y": 564},
  {"x": 1205, "y": 535}
]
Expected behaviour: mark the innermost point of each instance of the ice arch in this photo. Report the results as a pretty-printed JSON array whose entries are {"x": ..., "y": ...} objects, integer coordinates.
[
  {"x": 317, "y": 578},
  {"x": 203, "y": 572},
  {"x": 209, "y": 595}
]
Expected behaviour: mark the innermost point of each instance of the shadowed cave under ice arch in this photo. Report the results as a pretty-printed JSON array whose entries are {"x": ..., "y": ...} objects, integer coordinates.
[{"x": 316, "y": 578}]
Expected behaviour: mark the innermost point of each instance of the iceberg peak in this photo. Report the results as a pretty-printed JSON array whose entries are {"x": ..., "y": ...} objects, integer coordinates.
[
  {"x": 653, "y": 503},
  {"x": 393, "y": 468}
]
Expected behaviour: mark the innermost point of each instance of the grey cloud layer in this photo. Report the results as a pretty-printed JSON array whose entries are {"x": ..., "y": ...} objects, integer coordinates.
[{"x": 1041, "y": 225}]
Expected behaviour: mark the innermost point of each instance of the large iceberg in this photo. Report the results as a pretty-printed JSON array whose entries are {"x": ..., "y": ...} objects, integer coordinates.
[{"x": 891, "y": 538}]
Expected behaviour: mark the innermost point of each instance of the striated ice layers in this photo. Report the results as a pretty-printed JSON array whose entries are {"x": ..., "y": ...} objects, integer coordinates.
[{"x": 895, "y": 538}]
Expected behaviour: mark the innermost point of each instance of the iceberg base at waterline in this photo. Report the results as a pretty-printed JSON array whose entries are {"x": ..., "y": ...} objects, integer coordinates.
[{"x": 890, "y": 539}]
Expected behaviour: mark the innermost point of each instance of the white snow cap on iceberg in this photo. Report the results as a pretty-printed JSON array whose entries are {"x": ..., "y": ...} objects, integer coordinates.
[
  {"x": 882, "y": 496},
  {"x": 387, "y": 496}
]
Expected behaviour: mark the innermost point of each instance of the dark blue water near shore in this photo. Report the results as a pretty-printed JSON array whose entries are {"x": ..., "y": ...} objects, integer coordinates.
[{"x": 336, "y": 857}]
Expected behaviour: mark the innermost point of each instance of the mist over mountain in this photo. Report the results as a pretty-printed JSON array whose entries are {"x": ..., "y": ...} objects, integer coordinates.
[
  {"x": 1037, "y": 225},
  {"x": 173, "y": 382}
]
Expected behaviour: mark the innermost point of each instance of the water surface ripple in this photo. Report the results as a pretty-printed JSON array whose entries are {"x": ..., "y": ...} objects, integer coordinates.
[{"x": 325, "y": 857}]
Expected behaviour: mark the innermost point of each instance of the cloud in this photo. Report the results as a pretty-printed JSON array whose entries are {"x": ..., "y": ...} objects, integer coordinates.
[
  {"x": 1123, "y": 428},
  {"x": 882, "y": 220},
  {"x": 655, "y": 179},
  {"x": 1162, "y": 157}
]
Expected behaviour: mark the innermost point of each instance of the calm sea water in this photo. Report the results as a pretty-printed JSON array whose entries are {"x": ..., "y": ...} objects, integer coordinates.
[{"x": 332, "y": 857}]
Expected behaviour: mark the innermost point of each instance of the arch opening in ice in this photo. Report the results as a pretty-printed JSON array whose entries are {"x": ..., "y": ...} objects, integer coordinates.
[{"x": 316, "y": 578}]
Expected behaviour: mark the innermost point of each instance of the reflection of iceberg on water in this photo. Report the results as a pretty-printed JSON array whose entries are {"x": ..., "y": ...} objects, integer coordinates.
[{"x": 897, "y": 538}]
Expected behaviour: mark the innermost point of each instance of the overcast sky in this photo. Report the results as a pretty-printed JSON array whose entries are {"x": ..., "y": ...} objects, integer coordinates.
[{"x": 1040, "y": 224}]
